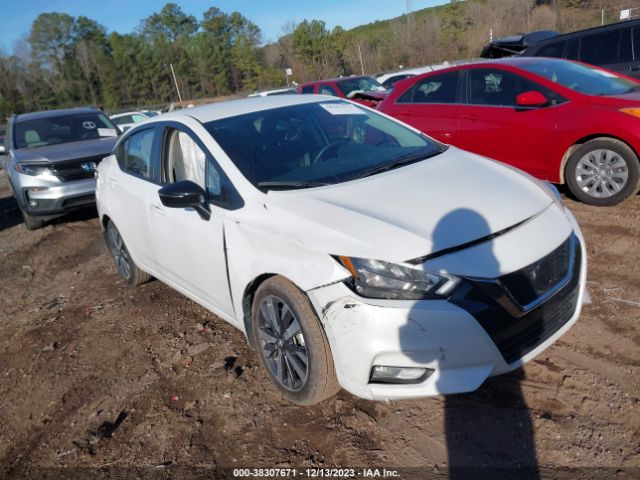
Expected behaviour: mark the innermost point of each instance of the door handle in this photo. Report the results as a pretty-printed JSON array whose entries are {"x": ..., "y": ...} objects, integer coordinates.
[{"x": 157, "y": 209}]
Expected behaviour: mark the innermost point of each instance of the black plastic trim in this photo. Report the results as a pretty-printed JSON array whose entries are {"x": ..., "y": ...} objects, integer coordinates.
[{"x": 517, "y": 336}]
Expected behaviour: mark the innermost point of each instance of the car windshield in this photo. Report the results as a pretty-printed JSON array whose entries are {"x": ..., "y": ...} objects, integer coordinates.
[
  {"x": 62, "y": 129},
  {"x": 351, "y": 86},
  {"x": 581, "y": 78},
  {"x": 317, "y": 143}
]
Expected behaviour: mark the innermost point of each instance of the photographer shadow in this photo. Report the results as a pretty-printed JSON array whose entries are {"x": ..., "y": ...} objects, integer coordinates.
[{"x": 489, "y": 433}]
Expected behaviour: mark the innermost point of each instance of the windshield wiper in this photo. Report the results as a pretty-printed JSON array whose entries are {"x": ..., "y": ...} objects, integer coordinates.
[
  {"x": 398, "y": 163},
  {"x": 290, "y": 185}
]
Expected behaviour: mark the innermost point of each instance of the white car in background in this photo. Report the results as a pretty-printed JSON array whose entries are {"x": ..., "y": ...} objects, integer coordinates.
[
  {"x": 127, "y": 120},
  {"x": 390, "y": 78},
  {"x": 351, "y": 249},
  {"x": 275, "y": 91}
]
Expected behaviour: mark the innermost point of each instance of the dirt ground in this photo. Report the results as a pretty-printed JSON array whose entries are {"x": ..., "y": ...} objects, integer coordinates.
[{"x": 99, "y": 380}]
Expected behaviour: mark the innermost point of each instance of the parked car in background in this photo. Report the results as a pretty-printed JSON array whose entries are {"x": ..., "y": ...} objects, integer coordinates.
[
  {"x": 276, "y": 91},
  {"x": 515, "y": 44},
  {"x": 560, "y": 121},
  {"x": 127, "y": 120},
  {"x": 615, "y": 47},
  {"x": 351, "y": 249},
  {"x": 365, "y": 90},
  {"x": 388, "y": 80},
  {"x": 52, "y": 158}
]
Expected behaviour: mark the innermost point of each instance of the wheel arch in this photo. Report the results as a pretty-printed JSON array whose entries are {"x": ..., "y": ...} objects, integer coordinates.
[
  {"x": 247, "y": 302},
  {"x": 577, "y": 144},
  {"x": 104, "y": 221}
]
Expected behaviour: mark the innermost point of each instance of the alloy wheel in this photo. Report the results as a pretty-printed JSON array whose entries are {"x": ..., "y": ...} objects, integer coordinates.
[
  {"x": 601, "y": 173},
  {"x": 119, "y": 252},
  {"x": 282, "y": 343}
]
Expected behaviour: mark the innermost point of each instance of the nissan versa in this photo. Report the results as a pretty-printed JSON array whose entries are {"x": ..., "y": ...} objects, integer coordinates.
[
  {"x": 352, "y": 250},
  {"x": 52, "y": 157}
]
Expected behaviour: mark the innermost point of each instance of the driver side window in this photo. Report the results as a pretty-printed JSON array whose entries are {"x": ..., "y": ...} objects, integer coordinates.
[{"x": 183, "y": 158}]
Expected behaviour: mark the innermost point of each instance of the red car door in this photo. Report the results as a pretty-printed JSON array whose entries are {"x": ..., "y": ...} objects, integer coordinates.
[
  {"x": 430, "y": 105},
  {"x": 491, "y": 124}
]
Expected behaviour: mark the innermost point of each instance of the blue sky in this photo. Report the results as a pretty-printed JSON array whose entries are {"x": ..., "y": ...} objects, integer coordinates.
[{"x": 124, "y": 16}]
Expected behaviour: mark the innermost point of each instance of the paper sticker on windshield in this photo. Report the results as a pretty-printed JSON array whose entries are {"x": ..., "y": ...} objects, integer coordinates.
[
  {"x": 89, "y": 125},
  {"x": 342, "y": 109},
  {"x": 107, "y": 132}
]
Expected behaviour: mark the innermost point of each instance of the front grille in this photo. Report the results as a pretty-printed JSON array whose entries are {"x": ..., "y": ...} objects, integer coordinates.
[
  {"x": 515, "y": 336},
  {"x": 71, "y": 170},
  {"x": 78, "y": 201},
  {"x": 531, "y": 282}
]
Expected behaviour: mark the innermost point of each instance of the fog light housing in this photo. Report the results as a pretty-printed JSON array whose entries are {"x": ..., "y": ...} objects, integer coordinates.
[
  {"x": 387, "y": 374},
  {"x": 33, "y": 203}
]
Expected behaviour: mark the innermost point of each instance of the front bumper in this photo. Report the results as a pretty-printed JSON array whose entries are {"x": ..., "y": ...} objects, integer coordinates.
[
  {"x": 46, "y": 195},
  {"x": 448, "y": 336}
]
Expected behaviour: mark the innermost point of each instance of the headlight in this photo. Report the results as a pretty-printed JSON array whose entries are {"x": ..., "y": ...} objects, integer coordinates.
[
  {"x": 33, "y": 170},
  {"x": 378, "y": 279}
]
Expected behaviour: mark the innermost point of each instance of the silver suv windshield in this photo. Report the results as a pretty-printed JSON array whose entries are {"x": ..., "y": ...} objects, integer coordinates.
[
  {"x": 316, "y": 144},
  {"x": 54, "y": 130}
]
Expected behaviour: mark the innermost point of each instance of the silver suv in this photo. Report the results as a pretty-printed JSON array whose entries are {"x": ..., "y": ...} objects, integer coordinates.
[{"x": 51, "y": 158}]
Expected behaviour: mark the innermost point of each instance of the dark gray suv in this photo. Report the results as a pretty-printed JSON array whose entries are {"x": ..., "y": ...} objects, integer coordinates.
[
  {"x": 51, "y": 159},
  {"x": 615, "y": 47}
]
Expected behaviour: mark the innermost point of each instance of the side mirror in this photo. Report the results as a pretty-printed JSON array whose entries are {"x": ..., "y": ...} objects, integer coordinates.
[
  {"x": 185, "y": 194},
  {"x": 531, "y": 98}
]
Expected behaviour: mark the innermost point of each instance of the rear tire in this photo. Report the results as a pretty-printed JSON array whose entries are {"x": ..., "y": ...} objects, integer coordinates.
[
  {"x": 127, "y": 268},
  {"x": 603, "y": 172},
  {"x": 292, "y": 344},
  {"x": 31, "y": 222}
]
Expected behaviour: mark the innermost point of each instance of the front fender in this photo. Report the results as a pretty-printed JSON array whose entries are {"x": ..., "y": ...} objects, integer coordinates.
[{"x": 252, "y": 252}]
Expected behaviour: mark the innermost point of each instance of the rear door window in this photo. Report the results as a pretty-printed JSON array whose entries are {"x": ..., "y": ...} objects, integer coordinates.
[
  {"x": 606, "y": 48},
  {"x": 434, "y": 89},
  {"x": 306, "y": 90},
  {"x": 573, "y": 49},
  {"x": 554, "y": 50}
]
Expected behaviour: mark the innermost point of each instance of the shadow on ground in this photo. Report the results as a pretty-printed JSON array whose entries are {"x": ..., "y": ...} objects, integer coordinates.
[{"x": 10, "y": 214}]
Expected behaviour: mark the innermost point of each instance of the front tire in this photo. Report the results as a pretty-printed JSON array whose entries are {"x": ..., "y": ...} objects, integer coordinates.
[
  {"x": 292, "y": 344},
  {"x": 127, "y": 268},
  {"x": 31, "y": 222},
  {"x": 603, "y": 172}
]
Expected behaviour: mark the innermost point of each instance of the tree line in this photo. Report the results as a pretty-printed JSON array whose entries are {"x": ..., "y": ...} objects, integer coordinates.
[{"x": 68, "y": 61}]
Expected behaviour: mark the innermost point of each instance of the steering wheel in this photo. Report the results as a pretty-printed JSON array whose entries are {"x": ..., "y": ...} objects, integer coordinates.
[{"x": 331, "y": 146}]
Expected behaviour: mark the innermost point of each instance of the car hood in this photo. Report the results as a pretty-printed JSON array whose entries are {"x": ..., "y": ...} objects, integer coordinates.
[
  {"x": 412, "y": 211},
  {"x": 67, "y": 151},
  {"x": 631, "y": 99}
]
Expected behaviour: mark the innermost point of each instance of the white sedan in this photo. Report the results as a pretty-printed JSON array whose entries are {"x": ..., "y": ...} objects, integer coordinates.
[{"x": 352, "y": 250}]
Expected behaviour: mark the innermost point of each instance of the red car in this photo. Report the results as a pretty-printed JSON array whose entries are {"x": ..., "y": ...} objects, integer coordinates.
[
  {"x": 561, "y": 121},
  {"x": 365, "y": 90}
]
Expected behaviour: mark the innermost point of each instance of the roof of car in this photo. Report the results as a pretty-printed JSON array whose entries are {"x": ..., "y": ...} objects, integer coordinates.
[
  {"x": 515, "y": 61},
  {"x": 584, "y": 31},
  {"x": 122, "y": 114},
  {"x": 53, "y": 113},
  {"x": 231, "y": 108},
  {"x": 336, "y": 80}
]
